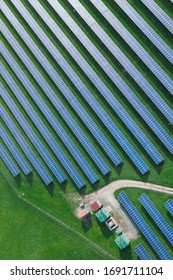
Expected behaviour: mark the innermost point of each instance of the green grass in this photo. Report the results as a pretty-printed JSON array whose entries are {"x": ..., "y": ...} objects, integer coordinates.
[
  {"x": 55, "y": 202},
  {"x": 60, "y": 201},
  {"x": 27, "y": 235}
]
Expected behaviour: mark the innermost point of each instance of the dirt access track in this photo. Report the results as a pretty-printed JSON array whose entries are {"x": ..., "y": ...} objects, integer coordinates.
[{"x": 106, "y": 196}]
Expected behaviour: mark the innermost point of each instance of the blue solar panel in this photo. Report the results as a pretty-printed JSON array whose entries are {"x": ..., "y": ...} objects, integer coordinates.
[
  {"x": 169, "y": 206},
  {"x": 102, "y": 140},
  {"x": 124, "y": 143},
  {"x": 83, "y": 114},
  {"x": 25, "y": 147},
  {"x": 142, "y": 253},
  {"x": 105, "y": 92},
  {"x": 14, "y": 151},
  {"x": 126, "y": 63},
  {"x": 146, "y": 29},
  {"x": 42, "y": 128},
  {"x": 8, "y": 162},
  {"x": 31, "y": 135},
  {"x": 157, "y": 217},
  {"x": 143, "y": 227},
  {"x": 118, "y": 81},
  {"x": 45, "y": 133},
  {"x": 156, "y": 69},
  {"x": 67, "y": 117},
  {"x": 159, "y": 13}
]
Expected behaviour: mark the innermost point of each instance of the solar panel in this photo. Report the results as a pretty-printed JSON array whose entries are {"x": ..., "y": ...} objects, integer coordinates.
[
  {"x": 93, "y": 128},
  {"x": 146, "y": 29},
  {"x": 8, "y": 162},
  {"x": 157, "y": 217},
  {"x": 169, "y": 206},
  {"x": 156, "y": 69},
  {"x": 14, "y": 151},
  {"x": 25, "y": 147},
  {"x": 159, "y": 13},
  {"x": 124, "y": 143},
  {"x": 109, "y": 70},
  {"x": 105, "y": 92},
  {"x": 32, "y": 135},
  {"x": 45, "y": 133},
  {"x": 82, "y": 138},
  {"x": 143, "y": 227},
  {"x": 142, "y": 253},
  {"x": 126, "y": 63}
]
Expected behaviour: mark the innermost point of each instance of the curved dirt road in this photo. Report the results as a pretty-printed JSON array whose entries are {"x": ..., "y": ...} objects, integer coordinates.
[{"x": 106, "y": 196}]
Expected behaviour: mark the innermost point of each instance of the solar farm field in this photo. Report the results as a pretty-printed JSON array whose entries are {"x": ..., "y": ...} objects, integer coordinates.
[{"x": 86, "y": 99}]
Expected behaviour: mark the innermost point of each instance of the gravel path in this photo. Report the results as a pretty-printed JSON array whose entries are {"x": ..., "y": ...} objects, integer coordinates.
[{"x": 106, "y": 196}]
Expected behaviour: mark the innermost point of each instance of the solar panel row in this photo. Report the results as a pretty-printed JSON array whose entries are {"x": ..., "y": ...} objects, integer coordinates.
[
  {"x": 24, "y": 145},
  {"x": 157, "y": 217},
  {"x": 169, "y": 206},
  {"x": 14, "y": 151},
  {"x": 32, "y": 136},
  {"x": 105, "y": 92},
  {"x": 143, "y": 227},
  {"x": 53, "y": 121},
  {"x": 146, "y": 29},
  {"x": 64, "y": 112},
  {"x": 159, "y": 13},
  {"x": 58, "y": 127},
  {"x": 119, "y": 82},
  {"x": 127, "y": 64},
  {"x": 41, "y": 127},
  {"x": 137, "y": 160},
  {"x": 8, "y": 162},
  {"x": 142, "y": 253}
]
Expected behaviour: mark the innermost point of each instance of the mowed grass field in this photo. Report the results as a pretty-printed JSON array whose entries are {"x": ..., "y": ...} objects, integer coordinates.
[{"x": 61, "y": 200}]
